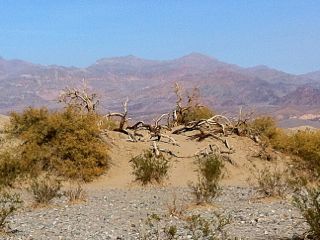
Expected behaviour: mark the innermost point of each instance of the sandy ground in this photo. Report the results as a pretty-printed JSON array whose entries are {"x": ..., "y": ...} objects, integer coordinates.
[{"x": 183, "y": 169}]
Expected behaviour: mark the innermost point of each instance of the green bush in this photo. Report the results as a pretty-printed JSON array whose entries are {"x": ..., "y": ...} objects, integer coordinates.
[
  {"x": 148, "y": 168},
  {"x": 309, "y": 205},
  {"x": 209, "y": 175},
  {"x": 66, "y": 143}
]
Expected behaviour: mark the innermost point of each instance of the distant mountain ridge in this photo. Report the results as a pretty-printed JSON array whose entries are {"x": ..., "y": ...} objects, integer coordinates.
[{"x": 149, "y": 84}]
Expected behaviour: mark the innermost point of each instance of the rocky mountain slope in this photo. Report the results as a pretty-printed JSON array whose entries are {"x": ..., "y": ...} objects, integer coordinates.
[{"x": 149, "y": 85}]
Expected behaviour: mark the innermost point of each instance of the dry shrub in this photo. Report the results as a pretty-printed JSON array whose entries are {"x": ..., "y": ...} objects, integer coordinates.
[
  {"x": 45, "y": 188},
  {"x": 271, "y": 182},
  {"x": 308, "y": 202},
  {"x": 9, "y": 168},
  {"x": 267, "y": 129},
  {"x": 66, "y": 143},
  {"x": 209, "y": 175},
  {"x": 9, "y": 203},
  {"x": 148, "y": 168}
]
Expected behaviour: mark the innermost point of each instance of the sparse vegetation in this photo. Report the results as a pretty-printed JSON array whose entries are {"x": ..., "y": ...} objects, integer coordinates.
[
  {"x": 9, "y": 203},
  {"x": 213, "y": 228},
  {"x": 209, "y": 175},
  {"x": 308, "y": 202},
  {"x": 152, "y": 229},
  {"x": 45, "y": 188},
  {"x": 149, "y": 168}
]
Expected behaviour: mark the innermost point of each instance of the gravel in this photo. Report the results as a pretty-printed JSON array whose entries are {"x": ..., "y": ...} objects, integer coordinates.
[{"x": 122, "y": 214}]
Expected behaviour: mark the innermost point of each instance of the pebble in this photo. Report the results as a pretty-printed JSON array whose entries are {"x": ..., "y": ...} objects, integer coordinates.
[{"x": 121, "y": 214}]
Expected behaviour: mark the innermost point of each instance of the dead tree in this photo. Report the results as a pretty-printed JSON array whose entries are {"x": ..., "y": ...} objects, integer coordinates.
[
  {"x": 80, "y": 98},
  {"x": 123, "y": 116},
  {"x": 123, "y": 121}
]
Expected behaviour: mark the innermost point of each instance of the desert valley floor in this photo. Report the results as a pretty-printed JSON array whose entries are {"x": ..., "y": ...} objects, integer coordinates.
[{"x": 116, "y": 207}]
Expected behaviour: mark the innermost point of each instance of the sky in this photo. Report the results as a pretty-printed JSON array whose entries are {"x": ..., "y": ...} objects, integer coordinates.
[{"x": 282, "y": 34}]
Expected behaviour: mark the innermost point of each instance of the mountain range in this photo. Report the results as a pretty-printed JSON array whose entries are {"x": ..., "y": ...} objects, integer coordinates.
[{"x": 149, "y": 85}]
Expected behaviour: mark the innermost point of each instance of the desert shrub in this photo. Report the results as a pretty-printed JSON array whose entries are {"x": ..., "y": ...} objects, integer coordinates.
[
  {"x": 148, "y": 168},
  {"x": 45, "y": 188},
  {"x": 194, "y": 113},
  {"x": 67, "y": 143},
  {"x": 308, "y": 202},
  {"x": 209, "y": 175},
  {"x": 9, "y": 203},
  {"x": 10, "y": 168}
]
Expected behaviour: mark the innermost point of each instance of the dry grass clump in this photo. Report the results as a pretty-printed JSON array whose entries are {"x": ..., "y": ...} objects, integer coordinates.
[
  {"x": 149, "y": 168},
  {"x": 75, "y": 195},
  {"x": 45, "y": 188},
  {"x": 209, "y": 175},
  {"x": 66, "y": 143}
]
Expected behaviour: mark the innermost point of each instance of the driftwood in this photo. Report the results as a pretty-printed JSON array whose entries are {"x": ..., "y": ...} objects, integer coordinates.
[
  {"x": 154, "y": 130},
  {"x": 225, "y": 127},
  {"x": 156, "y": 150},
  {"x": 215, "y": 149}
]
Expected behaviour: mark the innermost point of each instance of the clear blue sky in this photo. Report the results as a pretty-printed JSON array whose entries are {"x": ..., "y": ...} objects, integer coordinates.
[{"x": 283, "y": 34}]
